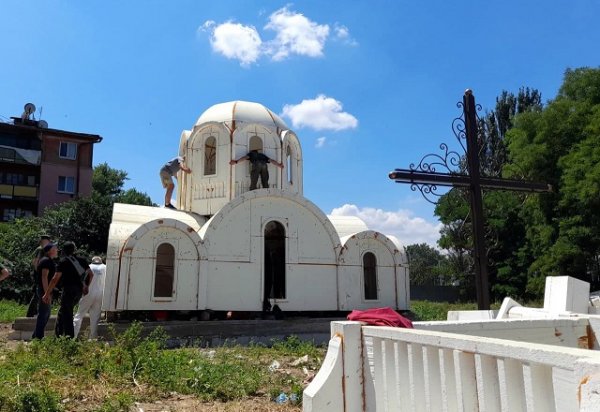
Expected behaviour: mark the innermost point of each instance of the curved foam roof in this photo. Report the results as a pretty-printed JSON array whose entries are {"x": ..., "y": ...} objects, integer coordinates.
[
  {"x": 241, "y": 111},
  {"x": 347, "y": 225}
]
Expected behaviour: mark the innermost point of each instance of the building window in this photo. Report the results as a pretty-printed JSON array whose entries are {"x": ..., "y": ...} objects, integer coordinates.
[
  {"x": 68, "y": 150},
  {"x": 288, "y": 158},
  {"x": 370, "y": 276},
  {"x": 66, "y": 184},
  {"x": 11, "y": 214},
  {"x": 164, "y": 275},
  {"x": 16, "y": 179},
  {"x": 210, "y": 156}
]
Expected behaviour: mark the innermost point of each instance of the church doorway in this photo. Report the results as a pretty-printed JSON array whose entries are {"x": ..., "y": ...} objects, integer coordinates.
[{"x": 274, "y": 263}]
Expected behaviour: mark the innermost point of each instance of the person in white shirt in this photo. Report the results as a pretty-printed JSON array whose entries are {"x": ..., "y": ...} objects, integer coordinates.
[{"x": 92, "y": 302}]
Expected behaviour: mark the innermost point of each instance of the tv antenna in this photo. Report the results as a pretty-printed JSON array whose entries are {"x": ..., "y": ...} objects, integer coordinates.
[{"x": 29, "y": 110}]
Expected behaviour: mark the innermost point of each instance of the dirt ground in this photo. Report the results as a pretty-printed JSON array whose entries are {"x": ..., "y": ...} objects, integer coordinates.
[{"x": 182, "y": 403}]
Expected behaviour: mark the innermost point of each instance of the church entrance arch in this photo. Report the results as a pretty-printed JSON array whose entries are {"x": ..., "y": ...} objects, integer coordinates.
[{"x": 274, "y": 263}]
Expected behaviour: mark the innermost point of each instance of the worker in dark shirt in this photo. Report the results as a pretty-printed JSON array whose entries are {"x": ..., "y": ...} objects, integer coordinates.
[
  {"x": 32, "y": 309},
  {"x": 43, "y": 275},
  {"x": 259, "y": 167},
  {"x": 76, "y": 276}
]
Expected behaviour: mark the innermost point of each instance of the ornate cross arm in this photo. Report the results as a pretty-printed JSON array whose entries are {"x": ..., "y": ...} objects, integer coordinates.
[{"x": 458, "y": 180}]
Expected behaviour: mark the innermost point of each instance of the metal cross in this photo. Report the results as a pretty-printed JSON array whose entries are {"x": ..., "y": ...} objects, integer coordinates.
[{"x": 426, "y": 179}]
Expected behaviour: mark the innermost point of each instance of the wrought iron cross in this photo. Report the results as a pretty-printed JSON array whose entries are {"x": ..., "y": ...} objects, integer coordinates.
[{"x": 426, "y": 179}]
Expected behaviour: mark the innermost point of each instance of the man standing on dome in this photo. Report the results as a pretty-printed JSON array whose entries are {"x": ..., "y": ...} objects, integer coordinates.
[
  {"x": 259, "y": 167},
  {"x": 167, "y": 172}
]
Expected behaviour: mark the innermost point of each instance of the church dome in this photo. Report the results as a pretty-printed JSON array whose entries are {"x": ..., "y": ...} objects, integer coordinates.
[{"x": 241, "y": 112}]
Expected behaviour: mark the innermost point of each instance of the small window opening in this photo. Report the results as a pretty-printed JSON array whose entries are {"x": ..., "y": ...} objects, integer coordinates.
[
  {"x": 165, "y": 271},
  {"x": 210, "y": 156},
  {"x": 370, "y": 276}
]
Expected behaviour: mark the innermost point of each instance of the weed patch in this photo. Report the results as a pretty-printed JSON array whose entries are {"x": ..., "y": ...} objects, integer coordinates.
[{"x": 71, "y": 375}]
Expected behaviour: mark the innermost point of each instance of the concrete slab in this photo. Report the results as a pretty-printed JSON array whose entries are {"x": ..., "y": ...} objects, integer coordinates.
[{"x": 205, "y": 333}]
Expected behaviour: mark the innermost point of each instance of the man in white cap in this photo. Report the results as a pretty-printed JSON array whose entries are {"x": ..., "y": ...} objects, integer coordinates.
[{"x": 92, "y": 302}]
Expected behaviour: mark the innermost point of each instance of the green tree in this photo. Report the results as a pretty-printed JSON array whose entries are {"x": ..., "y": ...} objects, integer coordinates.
[
  {"x": 427, "y": 265},
  {"x": 134, "y": 197},
  {"x": 85, "y": 220},
  {"x": 107, "y": 181},
  {"x": 560, "y": 145}
]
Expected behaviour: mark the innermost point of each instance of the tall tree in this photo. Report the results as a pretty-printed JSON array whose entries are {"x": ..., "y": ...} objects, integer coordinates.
[
  {"x": 560, "y": 145},
  {"x": 427, "y": 265}
]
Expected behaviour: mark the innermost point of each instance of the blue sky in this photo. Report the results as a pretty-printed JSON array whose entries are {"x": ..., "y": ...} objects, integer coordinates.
[{"x": 367, "y": 85}]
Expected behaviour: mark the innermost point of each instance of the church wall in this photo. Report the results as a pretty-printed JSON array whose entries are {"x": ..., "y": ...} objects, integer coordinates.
[
  {"x": 310, "y": 287},
  {"x": 118, "y": 234},
  {"x": 403, "y": 287},
  {"x": 351, "y": 292},
  {"x": 233, "y": 286},
  {"x": 390, "y": 275},
  {"x": 139, "y": 272},
  {"x": 207, "y": 192},
  {"x": 234, "y": 242}
]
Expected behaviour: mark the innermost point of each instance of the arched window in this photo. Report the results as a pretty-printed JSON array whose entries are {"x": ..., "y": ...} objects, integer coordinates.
[
  {"x": 210, "y": 156},
  {"x": 288, "y": 164},
  {"x": 165, "y": 271},
  {"x": 255, "y": 143},
  {"x": 370, "y": 276},
  {"x": 274, "y": 287}
]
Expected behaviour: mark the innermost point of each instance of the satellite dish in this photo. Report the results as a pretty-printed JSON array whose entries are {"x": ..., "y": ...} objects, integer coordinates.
[
  {"x": 29, "y": 108},
  {"x": 43, "y": 124}
]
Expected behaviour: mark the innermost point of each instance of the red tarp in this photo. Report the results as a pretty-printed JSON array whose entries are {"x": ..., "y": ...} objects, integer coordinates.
[{"x": 380, "y": 317}]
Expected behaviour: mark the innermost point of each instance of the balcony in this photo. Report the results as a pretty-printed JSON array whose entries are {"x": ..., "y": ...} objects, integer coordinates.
[
  {"x": 18, "y": 192},
  {"x": 20, "y": 156}
]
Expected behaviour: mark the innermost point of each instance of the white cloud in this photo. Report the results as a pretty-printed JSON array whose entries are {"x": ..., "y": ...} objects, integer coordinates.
[
  {"x": 342, "y": 33},
  {"x": 208, "y": 25},
  {"x": 320, "y": 142},
  {"x": 322, "y": 113},
  {"x": 235, "y": 41},
  {"x": 402, "y": 224},
  {"x": 295, "y": 34}
]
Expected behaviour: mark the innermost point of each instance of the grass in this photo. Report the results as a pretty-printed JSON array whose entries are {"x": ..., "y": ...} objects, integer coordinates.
[
  {"x": 424, "y": 310},
  {"x": 62, "y": 374},
  {"x": 54, "y": 375},
  {"x": 10, "y": 310}
]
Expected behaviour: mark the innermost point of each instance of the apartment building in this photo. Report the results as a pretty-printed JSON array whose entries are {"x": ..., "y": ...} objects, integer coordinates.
[{"x": 40, "y": 166}]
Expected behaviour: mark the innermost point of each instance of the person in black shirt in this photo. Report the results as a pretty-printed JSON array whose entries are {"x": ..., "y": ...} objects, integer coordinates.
[
  {"x": 259, "y": 167},
  {"x": 76, "y": 276},
  {"x": 44, "y": 273},
  {"x": 37, "y": 256}
]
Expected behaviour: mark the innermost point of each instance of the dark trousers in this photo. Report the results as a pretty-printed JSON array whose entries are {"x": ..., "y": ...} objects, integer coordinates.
[
  {"x": 32, "y": 309},
  {"x": 43, "y": 314},
  {"x": 259, "y": 169},
  {"x": 64, "y": 319}
]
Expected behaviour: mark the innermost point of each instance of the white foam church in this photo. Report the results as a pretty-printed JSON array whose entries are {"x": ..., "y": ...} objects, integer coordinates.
[{"x": 229, "y": 248}]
